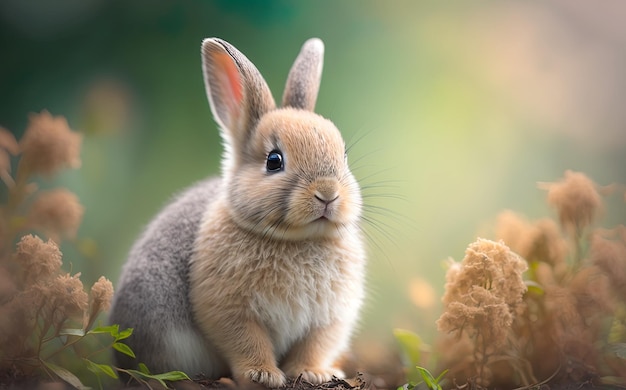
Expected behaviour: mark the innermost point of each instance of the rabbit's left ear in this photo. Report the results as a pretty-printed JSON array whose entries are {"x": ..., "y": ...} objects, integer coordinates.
[
  {"x": 304, "y": 78},
  {"x": 238, "y": 94}
]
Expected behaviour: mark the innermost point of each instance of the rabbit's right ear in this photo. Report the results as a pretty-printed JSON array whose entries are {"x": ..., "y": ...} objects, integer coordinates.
[
  {"x": 237, "y": 92},
  {"x": 304, "y": 78}
]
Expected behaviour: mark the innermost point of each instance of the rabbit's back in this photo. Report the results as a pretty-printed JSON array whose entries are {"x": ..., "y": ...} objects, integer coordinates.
[{"x": 152, "y": 292}]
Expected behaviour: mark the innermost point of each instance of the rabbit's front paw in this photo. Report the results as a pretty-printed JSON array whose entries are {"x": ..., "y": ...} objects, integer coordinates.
[
  {"x": 268, "y": 376},
  {"x": 317, "y": 375}
]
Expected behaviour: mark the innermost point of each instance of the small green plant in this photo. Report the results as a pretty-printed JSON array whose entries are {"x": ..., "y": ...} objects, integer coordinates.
[
  {"x": 143, "y": 375},
  {"x": 432, "y": 382},
  {"x": 412, "y": 348},
  {"x": 427, "y": 378}
]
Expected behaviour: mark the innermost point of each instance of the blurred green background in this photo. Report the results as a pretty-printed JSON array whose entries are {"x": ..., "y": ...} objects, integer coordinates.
[{"x": 455, "y": 111}]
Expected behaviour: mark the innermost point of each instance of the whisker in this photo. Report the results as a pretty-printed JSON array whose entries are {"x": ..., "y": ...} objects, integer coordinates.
[
  {"x": 374, "y": 240},
  {"x": 361, "y": 136},
  {"x": 385, "y": 196}
]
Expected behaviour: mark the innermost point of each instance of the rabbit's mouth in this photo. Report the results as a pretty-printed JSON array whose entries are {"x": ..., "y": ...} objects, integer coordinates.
[
  {"x": 326, "y": 212},
  {"x": 321, "y": 219},
  {"x": 326, "y": 216},
  {"x": 321, "y": 227},
  {"x": 325, "y": 220}
]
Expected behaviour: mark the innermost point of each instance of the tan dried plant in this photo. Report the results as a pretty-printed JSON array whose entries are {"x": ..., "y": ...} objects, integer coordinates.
[
  {"x": 47, "y": 146},
  {"x": 482, "y": 295},
  {"x": 569, "y": 325},
  {"x": 44, "y": 311}
]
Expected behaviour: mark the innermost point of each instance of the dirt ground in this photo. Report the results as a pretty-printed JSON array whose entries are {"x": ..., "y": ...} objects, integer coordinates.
[
  {"x": 335, "y": 384},
  {"x": 360, "y": 382}
]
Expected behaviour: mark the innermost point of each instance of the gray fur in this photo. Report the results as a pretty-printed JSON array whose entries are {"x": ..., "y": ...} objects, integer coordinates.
[
  {"x": 152, "y": 293},
  {"x": 304, "y": 77}
]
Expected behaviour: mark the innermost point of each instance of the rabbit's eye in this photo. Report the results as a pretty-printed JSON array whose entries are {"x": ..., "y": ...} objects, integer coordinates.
[{"x": 274, "y": 161}]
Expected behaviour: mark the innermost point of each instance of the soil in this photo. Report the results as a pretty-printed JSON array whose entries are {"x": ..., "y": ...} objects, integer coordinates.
[
  {"x": 360, "y": 382},
  {"x": 368, "y": 382}
]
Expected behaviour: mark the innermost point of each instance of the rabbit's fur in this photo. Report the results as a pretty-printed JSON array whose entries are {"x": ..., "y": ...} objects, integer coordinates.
[{"x": 264, "y": 267}]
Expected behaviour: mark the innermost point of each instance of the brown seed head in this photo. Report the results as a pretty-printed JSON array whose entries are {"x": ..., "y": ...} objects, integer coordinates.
[
  {"x": 57, "y": 213},
  {"x": 576, "y": 200},
  {"x": 48, "y": 145},
  {"x": 480, "y": 312},
  {"x": 39, "y": 260},
  {"x": 534, "y": 241},
  {"x": 69, "y": 294},
  {"x": 101, "y": 293}
]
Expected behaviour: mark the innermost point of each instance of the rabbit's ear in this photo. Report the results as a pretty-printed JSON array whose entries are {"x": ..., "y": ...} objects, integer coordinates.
[
  {"x": 304, "y": 78},
  {"x": 237, "y": 92}
]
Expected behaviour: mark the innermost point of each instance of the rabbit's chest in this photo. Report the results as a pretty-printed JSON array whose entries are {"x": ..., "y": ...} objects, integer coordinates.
[{"x": 299, "y": 297}]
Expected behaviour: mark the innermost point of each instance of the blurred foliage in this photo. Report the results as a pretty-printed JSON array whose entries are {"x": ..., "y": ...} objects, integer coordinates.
[{"x": 454, "y": 111}]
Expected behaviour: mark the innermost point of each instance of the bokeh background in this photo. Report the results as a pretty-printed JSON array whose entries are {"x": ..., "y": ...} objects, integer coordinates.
[{"x": 454, "y": 111}]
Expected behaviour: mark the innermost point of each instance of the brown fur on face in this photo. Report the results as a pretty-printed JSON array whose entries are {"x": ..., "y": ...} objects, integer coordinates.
[{"x": 284, "y": 204}]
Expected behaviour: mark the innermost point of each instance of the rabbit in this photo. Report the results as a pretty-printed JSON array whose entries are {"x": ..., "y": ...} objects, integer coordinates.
[{"x": 258, "y": 274}]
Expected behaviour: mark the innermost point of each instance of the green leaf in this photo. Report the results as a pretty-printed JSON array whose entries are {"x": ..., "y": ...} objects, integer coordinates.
[
  {"x": 124, "y": 334},
  {"x": 113, "y": 330},
  {"x": 98, "y": 368},
  {"x": 72, "y": 332},
  {"x": 123, "y": 348},
  {"x": 138, "y": 374},
  {"x": 411, "y": 345},
  {"x": 440, "y": 377},
  {"x": 534, "y": 287},
  {"x": 161, "y": 378},
  {"x": 428, "y": 378},
  {"x": 66, "y": 376},
  {"x": 171, "y": 376},
  {"x": 431, "y": 382},
  {"x": 533, "y": 266},
  {"x": 143, "y": 368}
]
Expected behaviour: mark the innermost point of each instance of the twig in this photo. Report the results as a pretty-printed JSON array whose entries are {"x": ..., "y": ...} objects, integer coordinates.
[{"x": 543, "y": 382}]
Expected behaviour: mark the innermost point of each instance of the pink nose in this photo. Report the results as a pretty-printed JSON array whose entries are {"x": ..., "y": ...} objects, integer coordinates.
[
  {"x": 326, "y": 199},
  {"x": 326, "y": 190}
]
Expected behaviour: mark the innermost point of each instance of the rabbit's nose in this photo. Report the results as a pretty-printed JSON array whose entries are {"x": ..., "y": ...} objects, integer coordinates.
[
  {"x": 325, "y": 200},
  {"x": 326, "y": 191}
]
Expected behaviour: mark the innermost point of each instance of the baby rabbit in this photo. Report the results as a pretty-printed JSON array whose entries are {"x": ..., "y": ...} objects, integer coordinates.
[{"x": 260, "y": 273}]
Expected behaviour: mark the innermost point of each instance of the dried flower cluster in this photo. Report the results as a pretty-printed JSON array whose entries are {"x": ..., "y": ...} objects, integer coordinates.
[
  {"x": 57, "y": 213},
  {"x": 47, "y": 146},
  {"x": 481, "y": 298},
  {"x": 570, "y": 325},
  {"x": 43, "y": 301},
  {"x": 39, "y": 302},
  {"x": 576, "y": 200}
]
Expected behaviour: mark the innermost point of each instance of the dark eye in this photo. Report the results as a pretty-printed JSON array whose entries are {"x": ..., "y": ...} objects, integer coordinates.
[{"x": 274, "y": 161}]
